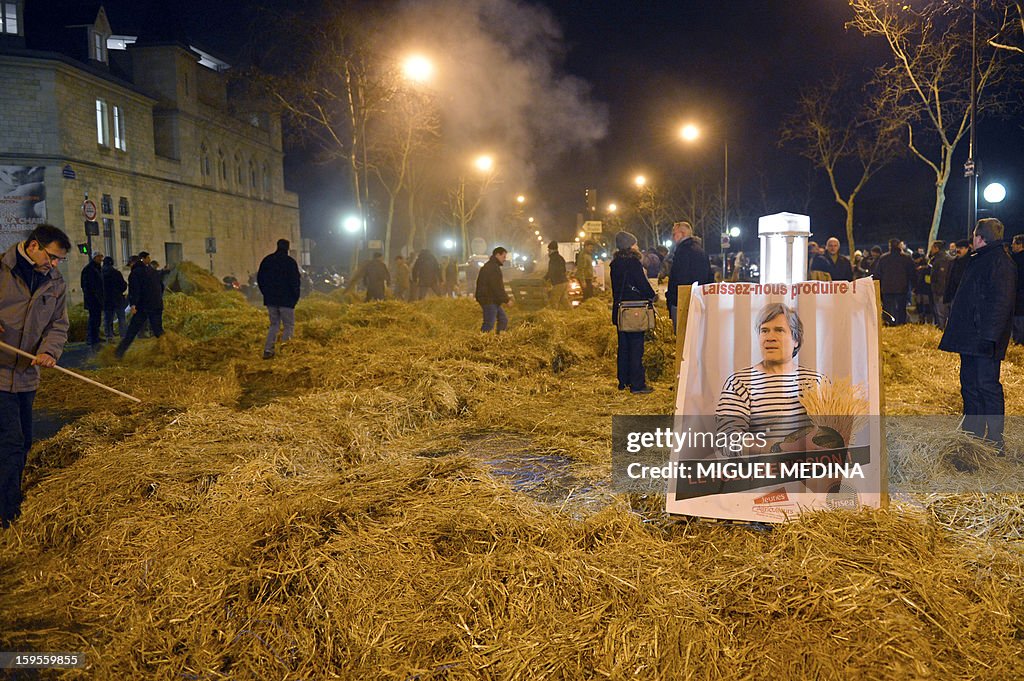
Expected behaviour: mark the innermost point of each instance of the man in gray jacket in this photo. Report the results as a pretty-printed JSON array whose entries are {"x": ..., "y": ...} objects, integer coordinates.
[{"x": 33, "y": 318}]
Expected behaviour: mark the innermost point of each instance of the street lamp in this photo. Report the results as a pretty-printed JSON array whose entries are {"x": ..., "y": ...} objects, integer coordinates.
[
  {"x": 734, "y": 232},
  {"x": 520, "y": 199},
  {"x": 417, "y": 68},
  {"x": 690, "y": 133},
  {"x": 640, "y": 181},
  {"x": 994, "y": 193},
  {"x": 484, "y": 163},
  {"x": 612, "y": 207},
  {"x": 352, "y": 224}
]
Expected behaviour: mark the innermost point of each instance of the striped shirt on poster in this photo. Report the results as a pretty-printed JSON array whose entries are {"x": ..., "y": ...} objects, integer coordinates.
[{"x": 755, "y": 402}]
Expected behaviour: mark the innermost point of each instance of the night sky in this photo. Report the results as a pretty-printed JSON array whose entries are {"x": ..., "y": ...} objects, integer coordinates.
[{"x": 734, "y": 67}]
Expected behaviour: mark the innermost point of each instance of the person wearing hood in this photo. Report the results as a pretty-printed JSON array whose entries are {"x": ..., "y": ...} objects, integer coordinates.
[
  {"x": 281, "y": 285},
  {"x": 114, "y": 287},
  {"x": 490, "y": 292},
  {"x": 978, "y": 329},
  {"x": 629, "y": 282},
  {"x": 92, "y": 297}
]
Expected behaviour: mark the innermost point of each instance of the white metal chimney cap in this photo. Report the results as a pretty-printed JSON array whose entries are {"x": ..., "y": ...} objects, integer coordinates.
[{"x": 789, "y": 224}]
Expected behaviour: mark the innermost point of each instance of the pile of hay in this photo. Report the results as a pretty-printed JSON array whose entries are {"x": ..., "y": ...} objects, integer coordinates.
[
  {"x": 333, "y": 512},
  {"x": 188, "y": 277}
]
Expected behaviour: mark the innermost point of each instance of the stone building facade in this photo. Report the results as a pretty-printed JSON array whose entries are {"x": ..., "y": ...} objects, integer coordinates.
[{"x": 144, "y": 134}]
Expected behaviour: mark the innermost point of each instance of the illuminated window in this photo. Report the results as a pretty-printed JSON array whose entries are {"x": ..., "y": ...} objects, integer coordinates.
[
  {"x": 102, "y": 125},
  {"x": 119, "y": 137},
  {"x": 9, "y": 18}
]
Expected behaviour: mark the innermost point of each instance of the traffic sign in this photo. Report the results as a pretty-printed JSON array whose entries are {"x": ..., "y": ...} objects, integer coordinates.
[
  {"x": 592, "y": 226},
  {"x": 89, "y": 210}
]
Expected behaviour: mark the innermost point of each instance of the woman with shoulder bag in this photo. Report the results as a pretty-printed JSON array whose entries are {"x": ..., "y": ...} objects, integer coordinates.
[{"x": 631, "y": 312}]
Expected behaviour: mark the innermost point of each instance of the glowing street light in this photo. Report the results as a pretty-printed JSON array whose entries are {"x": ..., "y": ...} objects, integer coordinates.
[
  {"x": 994, "y": 193},
  {"x": 418, "y": 68},
  {"x": 689, "y": 132},
  {"x": 449, "y": 244},
  {"x": 612, "y": 207},
  {"x": 520, "y": 199},
  {"x": 640, "y": 181},
  {"x": 734, "y": 232},
  {"x": 484, "y": 163},
  {"x": 536, "y": 232},
  {"x": 582, "y": 234},
  {"x": 531, "y": 220},
  {"x": 352, "y": 224}
]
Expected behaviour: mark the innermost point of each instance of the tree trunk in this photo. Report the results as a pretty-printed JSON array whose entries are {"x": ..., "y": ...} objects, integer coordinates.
[
  {"x": 849, "y": 226},
  {"x": 940, "y": 191},
  {"x": 410, "y": 241}
]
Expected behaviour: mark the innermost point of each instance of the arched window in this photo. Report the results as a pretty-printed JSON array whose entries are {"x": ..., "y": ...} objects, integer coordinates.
[
  {"x": 239, "y": 173},
  {"x": 222, "y": 163},
  {"x": 204, "y": 161},
  {"x": 252, "y": 176},
  {"x": 266, "y": 180}
]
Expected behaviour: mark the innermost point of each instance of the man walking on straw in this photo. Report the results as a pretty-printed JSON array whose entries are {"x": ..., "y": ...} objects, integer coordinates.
[
  {"x": 490, "y": 292},
  {"x": 33, "y": 318},
  {"x": 281, "y": 284},
  {"x": 146, "y": 296},
  {"x": 979, "y": 330}
]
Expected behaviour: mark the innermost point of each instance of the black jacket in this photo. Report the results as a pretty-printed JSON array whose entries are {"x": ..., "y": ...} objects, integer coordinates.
[
  {"x": 426, "y": 271},
  {"x": 376, "y": 277},
  {"x": 629, "y": 281},
  {"x": 896, "y": 273},
  {"x": 689, "y": 264},
  {"x": 490, "y": 285},
  {"x": 980, "y": 318},
  {"x": 279, "y": 280},
  {"x": 92, "y": 286},
  {"x": 145, "y": 289},
  {"x": 956, "y": 273},
  {"x": 114, "y": 287},
  {"x": 840, "y": 270},
  {"x": 941, "y": 264},
  {"x": 556, "y": 269},
  {"x": 1018, "y": 260}
]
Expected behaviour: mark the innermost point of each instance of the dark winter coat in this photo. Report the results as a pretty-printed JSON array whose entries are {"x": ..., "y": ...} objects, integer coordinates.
[
  {"x": 1018, "y": 260},
  {"x": 114, "y": 287},
  {"x": 426, "y": 271},
  {"x": 941, "y": 264},
  {"x": 145, "y": 289},
  {"x": 376, "y": 277},
  {"x": 279, "y": 280},
  {"x": 92, "y": 286},
  {"x": 490, "y": 285},
  {"x": 689, "y": 264},
  {"x": 956, "y": 273},
  {"x": 652, "y": 263},
  {"x": 556, "y": 269},
  {"x": 895, "y": 272},
  {"x": 629, "y": 281},
  {"x": 980, "y": 317},
  {"x": 840, "y": 270}
]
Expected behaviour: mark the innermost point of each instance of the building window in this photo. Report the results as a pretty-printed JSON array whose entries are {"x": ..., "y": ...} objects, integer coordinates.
[
  {"x": 9, "y": 20},
  {"x": 108, "y": 236},
  {"x": 122, "y": 207},
  {"x": 170, "y": 216},
  {"x": 98, "y": 47},
  {"x": 266, "y": 180},
  {"x": 107, "y": 204},
  {"x": 222, "y": 161},
  {"x": 239, "y": 173},
  {"x": 102, "y": 126},
  {"x": 252, "y": 176},
  {"x": 204, "y": 160},
  {"x": 126, "y": 240},
  {"x": 119, "y": 137}
]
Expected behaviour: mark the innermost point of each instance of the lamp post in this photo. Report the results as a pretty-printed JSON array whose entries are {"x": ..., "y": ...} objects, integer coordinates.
[
  {"x": 691, "y": 133},
  {"x": 970, "y": 168}
]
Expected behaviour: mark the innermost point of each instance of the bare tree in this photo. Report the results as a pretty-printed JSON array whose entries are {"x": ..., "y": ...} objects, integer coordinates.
[
  {"x": 408, "y": 128},
  {"x": 926, "y": 89},
  {"x": 464, "y": 200},
  {"x": 846, "y": 139}
]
